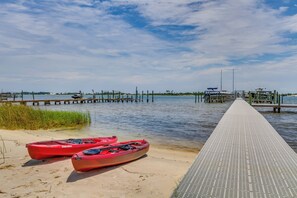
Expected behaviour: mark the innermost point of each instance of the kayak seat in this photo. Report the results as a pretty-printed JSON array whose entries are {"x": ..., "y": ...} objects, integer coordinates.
[
  {"x": 75, "y": 141},
  {"x": 113, "y": 151},
  {"x": 89, "y": 142},
  {"x": 126, "y": 147},
  {"x": 92, "y": 152}
]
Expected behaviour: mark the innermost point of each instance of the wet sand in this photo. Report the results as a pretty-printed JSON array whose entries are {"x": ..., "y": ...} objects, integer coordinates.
[{"x": 155, "y": 175}]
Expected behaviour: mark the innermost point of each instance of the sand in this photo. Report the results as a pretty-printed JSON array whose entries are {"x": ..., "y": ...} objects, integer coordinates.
[{"x": 155, "y": 175}]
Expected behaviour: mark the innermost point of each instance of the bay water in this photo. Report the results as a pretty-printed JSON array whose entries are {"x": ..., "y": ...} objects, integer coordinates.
[{"x": 173, "y": 121}]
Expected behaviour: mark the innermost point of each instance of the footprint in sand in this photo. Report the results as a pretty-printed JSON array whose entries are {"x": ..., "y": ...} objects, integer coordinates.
[
  {"x": 8, "y": 166},
  {"x": 54, "y": 171}
]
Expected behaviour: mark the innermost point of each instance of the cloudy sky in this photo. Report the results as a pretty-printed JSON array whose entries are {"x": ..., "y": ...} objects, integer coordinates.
[{"x": 70, "y": 45}]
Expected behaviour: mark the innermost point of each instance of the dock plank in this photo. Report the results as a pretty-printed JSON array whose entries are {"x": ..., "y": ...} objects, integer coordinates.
[{"x": 243, "y": 157}]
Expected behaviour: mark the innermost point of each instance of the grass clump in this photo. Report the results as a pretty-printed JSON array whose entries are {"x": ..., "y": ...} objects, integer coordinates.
[{"x": 24, "y": 117}]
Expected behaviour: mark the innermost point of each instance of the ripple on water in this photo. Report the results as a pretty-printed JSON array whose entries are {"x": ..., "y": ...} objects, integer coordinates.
[{"x": 172, "y": 121}]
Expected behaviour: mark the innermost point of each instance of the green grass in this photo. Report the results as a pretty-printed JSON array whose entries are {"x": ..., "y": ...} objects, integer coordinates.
[{"x": 24, "y": 117}]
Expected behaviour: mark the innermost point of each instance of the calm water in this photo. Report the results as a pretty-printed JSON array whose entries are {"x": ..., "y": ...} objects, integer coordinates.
[
  {"x": 175, "y": 121},
  {"x": 285, "y": 122}
]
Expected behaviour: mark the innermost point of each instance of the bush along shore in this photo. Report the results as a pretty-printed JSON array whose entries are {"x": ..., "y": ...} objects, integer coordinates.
[{"x": 23, "y": 117}]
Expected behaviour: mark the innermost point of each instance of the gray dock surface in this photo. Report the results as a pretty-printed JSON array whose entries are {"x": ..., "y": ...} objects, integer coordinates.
[{"x": 243, "y": 157}]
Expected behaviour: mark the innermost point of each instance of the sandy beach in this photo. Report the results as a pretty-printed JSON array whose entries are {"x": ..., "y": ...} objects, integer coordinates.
[{"x": 154, "y": 175}]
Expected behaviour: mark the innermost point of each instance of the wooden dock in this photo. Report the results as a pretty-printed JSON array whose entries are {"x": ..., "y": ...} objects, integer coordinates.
[
  {"x": 243, "y": 157},
  {"x": 69, "y": 101},
  {"x": 276, "y": 107}
]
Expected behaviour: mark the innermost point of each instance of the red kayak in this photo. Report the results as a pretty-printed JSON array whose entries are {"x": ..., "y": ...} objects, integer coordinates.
[
  {"x": 113, "y": 154},
  {"x": 68, "y": 147}
]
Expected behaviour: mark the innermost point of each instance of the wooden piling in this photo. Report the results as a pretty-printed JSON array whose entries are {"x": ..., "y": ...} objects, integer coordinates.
[
  {"x": 279, "y": 108},
  {"x": 141, "y": 96},
  {"x": 195, "y": 97},
  {"x": 274, "y": 97},
  {"x": 33, "y": 95},
  {"x": 136, "y": 95},
  {"x": 250, "y": 98},
  {"x": 152, "y": 96},
  {"x": 282, "y": 99},
  {"x": 147, "y": 96},
  {"x": 102, "y": 97}
]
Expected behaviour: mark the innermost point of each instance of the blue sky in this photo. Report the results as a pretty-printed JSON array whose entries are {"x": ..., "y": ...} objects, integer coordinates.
[{"x": 70, "y": 45}]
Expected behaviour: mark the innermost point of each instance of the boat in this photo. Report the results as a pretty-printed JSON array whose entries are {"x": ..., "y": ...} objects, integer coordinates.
[
  {"x": 5, "y": 96},
  {"x": 261, "y": 95},
  {"x": 212, "y": 94},
  {"x": 77, "y": 96},
  {"x": 68, "y": 147},
  {"x": 113, "y": 154}
]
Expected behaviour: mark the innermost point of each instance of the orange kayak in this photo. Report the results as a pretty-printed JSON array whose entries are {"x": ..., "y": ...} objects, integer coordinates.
[
  {"x": 113, "y": 154},
  {"x": 68, "y": 147}
]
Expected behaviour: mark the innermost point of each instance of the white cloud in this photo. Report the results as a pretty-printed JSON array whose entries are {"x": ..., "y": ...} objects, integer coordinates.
[{"x": 66, "y": 41}]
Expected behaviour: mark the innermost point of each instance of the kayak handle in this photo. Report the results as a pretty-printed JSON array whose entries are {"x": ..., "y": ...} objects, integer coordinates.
[{"x": 77, "y": 157}]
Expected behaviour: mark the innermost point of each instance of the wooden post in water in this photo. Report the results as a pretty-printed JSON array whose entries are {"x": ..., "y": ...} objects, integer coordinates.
[
  {"x": 250, "y": 98},
  {"x": 141, "y": 96},
  {"x": 147, "y": 96},
  {"x": 136, "y": 95},
  {"x": 282, "y": 99},
  {"x": 274, "y": 97},
  {"x": 152, "y": 96},
  {"x": 279, "y": 107},
  {"x": 113, "y": 95},
  {"x": 195, "y": 97},
  {"x": 94, "y": 97},
  {"x": 22, "y": 93},
  {"x": 102, "y": 97}
]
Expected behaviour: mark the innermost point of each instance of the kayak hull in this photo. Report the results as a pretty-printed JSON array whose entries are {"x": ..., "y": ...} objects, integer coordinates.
[
  {"x": 82, "y": 162},
  {"x": 47, "y": 149}
]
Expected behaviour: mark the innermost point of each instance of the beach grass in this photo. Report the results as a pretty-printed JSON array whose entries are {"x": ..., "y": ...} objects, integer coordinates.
[{"x": 23, "y": 117}]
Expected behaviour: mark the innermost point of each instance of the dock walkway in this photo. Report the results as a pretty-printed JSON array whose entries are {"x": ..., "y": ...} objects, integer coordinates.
[
  {"x": 69, "y": 101},
  {"x": 276, "y": 107},
  {"x": 243, "y": 157}
]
